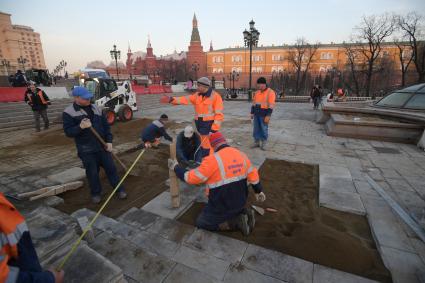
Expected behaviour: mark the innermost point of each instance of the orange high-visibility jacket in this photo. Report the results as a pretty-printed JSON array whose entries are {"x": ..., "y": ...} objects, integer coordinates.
[
  {"x": 208, "y": 108},
  {"x": 12, "y": 226},
  {"x": 224, "y": 167},
  {"x": 40, "y": 94},
  {"x": 263, "y": 102}
]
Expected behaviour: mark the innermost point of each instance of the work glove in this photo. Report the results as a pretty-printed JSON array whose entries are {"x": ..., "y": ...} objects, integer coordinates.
[
  {"x": 267, "y": 119},
  {"x": 172, "y": 163},
  {"x": 85, "y": 123},
  {"x": 260, "y": 197},
  {"x": 108, "y": 147},
  {"x": 166, "y": 99}
]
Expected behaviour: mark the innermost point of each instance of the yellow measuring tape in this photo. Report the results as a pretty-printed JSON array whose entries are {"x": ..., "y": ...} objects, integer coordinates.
[{"x": 77, "y": 243}]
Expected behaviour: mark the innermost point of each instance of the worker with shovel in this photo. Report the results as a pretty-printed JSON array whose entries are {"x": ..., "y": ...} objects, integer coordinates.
[
  {"x": 226, "y": 173},
  {"x": 81, "y": 121}
]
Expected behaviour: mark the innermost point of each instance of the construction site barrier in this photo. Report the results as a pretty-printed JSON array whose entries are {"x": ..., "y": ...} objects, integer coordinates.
[{"x": 16, "y": 94}]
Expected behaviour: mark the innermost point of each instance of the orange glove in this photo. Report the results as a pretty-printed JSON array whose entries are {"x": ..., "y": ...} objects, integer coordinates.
[
  {"x": 267, "y": 119},
  {"x": 166, "y": 99}
]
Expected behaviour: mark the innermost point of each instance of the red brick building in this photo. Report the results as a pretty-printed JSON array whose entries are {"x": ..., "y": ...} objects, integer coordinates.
[{"x": 176, "y": 66}]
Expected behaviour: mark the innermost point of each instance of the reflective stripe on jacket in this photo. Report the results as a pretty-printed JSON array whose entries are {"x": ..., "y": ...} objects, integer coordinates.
[
  {"x": 263, "y": 102},
  {"x": 12, "y": 227},
  {"x": 226, "y": 173},
  {"x": 208, "y": 107}
]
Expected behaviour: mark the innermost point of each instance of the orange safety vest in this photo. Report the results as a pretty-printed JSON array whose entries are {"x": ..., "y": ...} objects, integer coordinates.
[
  {"x": 265, "y": 99},
  {"x": 12, "y": 226},
  {"x": 226, "y": 166},
  {"x": 208, "y": 108},
  {"x": 40, "y": 94}
]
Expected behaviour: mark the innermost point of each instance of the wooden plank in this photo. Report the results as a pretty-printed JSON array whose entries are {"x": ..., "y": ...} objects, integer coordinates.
[{"x": 174, "y": 181}]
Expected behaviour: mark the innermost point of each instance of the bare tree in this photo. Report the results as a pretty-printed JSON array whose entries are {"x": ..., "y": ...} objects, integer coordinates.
[
  {"x": 352, "y": 53},
  {"x": 301, "y": 56},
  {"x": 372, "y": 32},
  {"x": 412, "y": 26},
  {"x": 405, "y": 57}
]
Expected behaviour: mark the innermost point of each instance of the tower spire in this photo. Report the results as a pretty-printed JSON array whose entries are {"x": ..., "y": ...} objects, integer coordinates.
[
  {"x": 211, "y": 46},
  {"x": 194, "y": 21},
  {"x": 149, "y": 41}
]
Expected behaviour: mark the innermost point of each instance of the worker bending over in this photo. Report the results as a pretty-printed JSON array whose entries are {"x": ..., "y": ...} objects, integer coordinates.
[
  {"x": 151, "y": 135},
  {"x": 188, "y": 147},
  {"x": 208, "y": 110},
  {"x": 226, "y": 173}
]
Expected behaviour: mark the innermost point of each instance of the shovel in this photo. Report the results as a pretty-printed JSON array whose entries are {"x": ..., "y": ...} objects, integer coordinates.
[
  {"x": 96, "y": 134},
  {"x": 258, "y": 209}
]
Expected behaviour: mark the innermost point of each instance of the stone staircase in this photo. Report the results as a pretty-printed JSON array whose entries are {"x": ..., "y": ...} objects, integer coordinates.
[{"x": 18, "y": 115}]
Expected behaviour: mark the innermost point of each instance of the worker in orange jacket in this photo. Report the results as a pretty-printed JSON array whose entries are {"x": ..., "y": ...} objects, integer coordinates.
[
  {"x": 208, "y": 110},
  {"x": 18, "y": 258},
  {"x": 261, "y": 110},
  {"x": 226, "y": 173}
]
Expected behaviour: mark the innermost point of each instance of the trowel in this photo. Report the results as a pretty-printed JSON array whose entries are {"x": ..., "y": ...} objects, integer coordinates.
[{"x": 258, "y": 209}]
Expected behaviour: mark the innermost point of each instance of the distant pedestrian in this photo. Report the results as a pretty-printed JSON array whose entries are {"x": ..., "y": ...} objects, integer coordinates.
[
  {"x": 315, "y": 96},
  {"x": 38, "y": 100},
  {"x": 20, "y": 79},
  {"x": 262, "y": 107}
]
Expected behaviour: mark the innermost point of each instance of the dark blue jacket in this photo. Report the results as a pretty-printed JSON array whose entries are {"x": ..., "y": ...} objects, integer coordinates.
[
  {"x": 85, "y": 140},
  {"x": 186, "y": 148},
  {"x": 30, "y": 270},
  {"x": 154, "y": 131}
]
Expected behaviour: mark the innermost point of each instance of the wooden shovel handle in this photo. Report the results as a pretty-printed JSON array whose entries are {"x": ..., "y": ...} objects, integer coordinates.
[{"x": 96, "y": 134}]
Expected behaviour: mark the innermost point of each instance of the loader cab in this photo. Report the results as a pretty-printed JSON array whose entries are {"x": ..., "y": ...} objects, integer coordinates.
[{"x": 100, "y": 87}]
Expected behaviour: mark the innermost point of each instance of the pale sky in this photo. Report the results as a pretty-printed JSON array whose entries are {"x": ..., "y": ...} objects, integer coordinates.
[{"x": 80, "y": 31}]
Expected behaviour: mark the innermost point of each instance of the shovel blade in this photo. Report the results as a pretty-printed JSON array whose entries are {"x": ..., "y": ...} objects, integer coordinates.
[{"x": 258, "y": 209}]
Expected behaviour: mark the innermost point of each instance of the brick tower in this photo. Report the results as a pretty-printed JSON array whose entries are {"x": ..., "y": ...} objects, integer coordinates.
[{"x": 196, "y": 57}]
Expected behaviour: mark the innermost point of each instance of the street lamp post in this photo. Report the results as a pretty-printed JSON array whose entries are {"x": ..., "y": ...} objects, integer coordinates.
[
  {"x": 22, "y": 61},
  {"x": 251, "y": 38},
  {"x": 6, "y": 65},
  {"x": 233, "y": 76},
  {"x": 62, "y": 65},
  {"x": 115, "y": 55}
]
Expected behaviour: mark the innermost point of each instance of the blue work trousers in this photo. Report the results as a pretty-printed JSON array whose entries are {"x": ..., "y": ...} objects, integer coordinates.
[{"x": 261, "y": 129}]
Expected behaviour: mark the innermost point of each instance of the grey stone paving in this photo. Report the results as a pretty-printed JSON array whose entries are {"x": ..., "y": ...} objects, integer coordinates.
[
  {"x": 398, "y": 168},
  {"x": 323, "y": 274}
]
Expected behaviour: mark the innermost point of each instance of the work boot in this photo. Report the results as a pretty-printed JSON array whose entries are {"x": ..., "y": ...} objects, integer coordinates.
[
  {"x": 122, "y": 195},
  {"x": 96, "y": 199},
  {"x": 251, "y": 218},
  {"x": 242, "y": 224},
  {"x": 263, "y": 145},
  {"x": 255, "y": 144}
]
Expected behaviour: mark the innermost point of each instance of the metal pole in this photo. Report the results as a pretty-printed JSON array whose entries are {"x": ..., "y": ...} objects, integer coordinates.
[
  {"x": 250, "y": 69},
  {"x": 116, "y": 66}
]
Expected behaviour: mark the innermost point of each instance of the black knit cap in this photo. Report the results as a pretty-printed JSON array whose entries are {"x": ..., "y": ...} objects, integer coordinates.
[
  {"x": 261, "y": 80},
  {"x": 164, "y": 116}
]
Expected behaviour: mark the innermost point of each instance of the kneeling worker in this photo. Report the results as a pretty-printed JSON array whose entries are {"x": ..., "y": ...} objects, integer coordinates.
[
  {"x": 226, "y": 174},
  {"x": 152, "y": 134},
  {"x": 188, "y": 147},
  {"x": 78, "y": 118}
]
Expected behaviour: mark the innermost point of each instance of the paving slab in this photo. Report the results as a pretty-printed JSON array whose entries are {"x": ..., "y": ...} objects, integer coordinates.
[
  {"x": 238, "y": 273},
  {"x": 405, "y": 267},
  {"x": 154, "y": 243},
  {"x": 364, "y": 189},
  {"x": 171, "y": 229},
  {"x": 69, "y": 175},
  {"x": 203, "y": 262},
  {"x": 332, "y": 171},
  {"x": 138, "y": 218},
  {"x": 217, "y": 245},
  {"x": 342, "y": 201},
  {"x": 134, "y": 262},
  {"x": 323, "y": 274},
  {"x": 50, "y": 234},
  {"x": 161, "y": 205},
  {"x": 107, "y": 224},
  {"x": 94, "y": 268},
  {"x": 385, "y": 225},
  {"x": 283, "y": 267},
  {"x": 337, "y": 184},
  {"x": 183, "y": 274}
]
